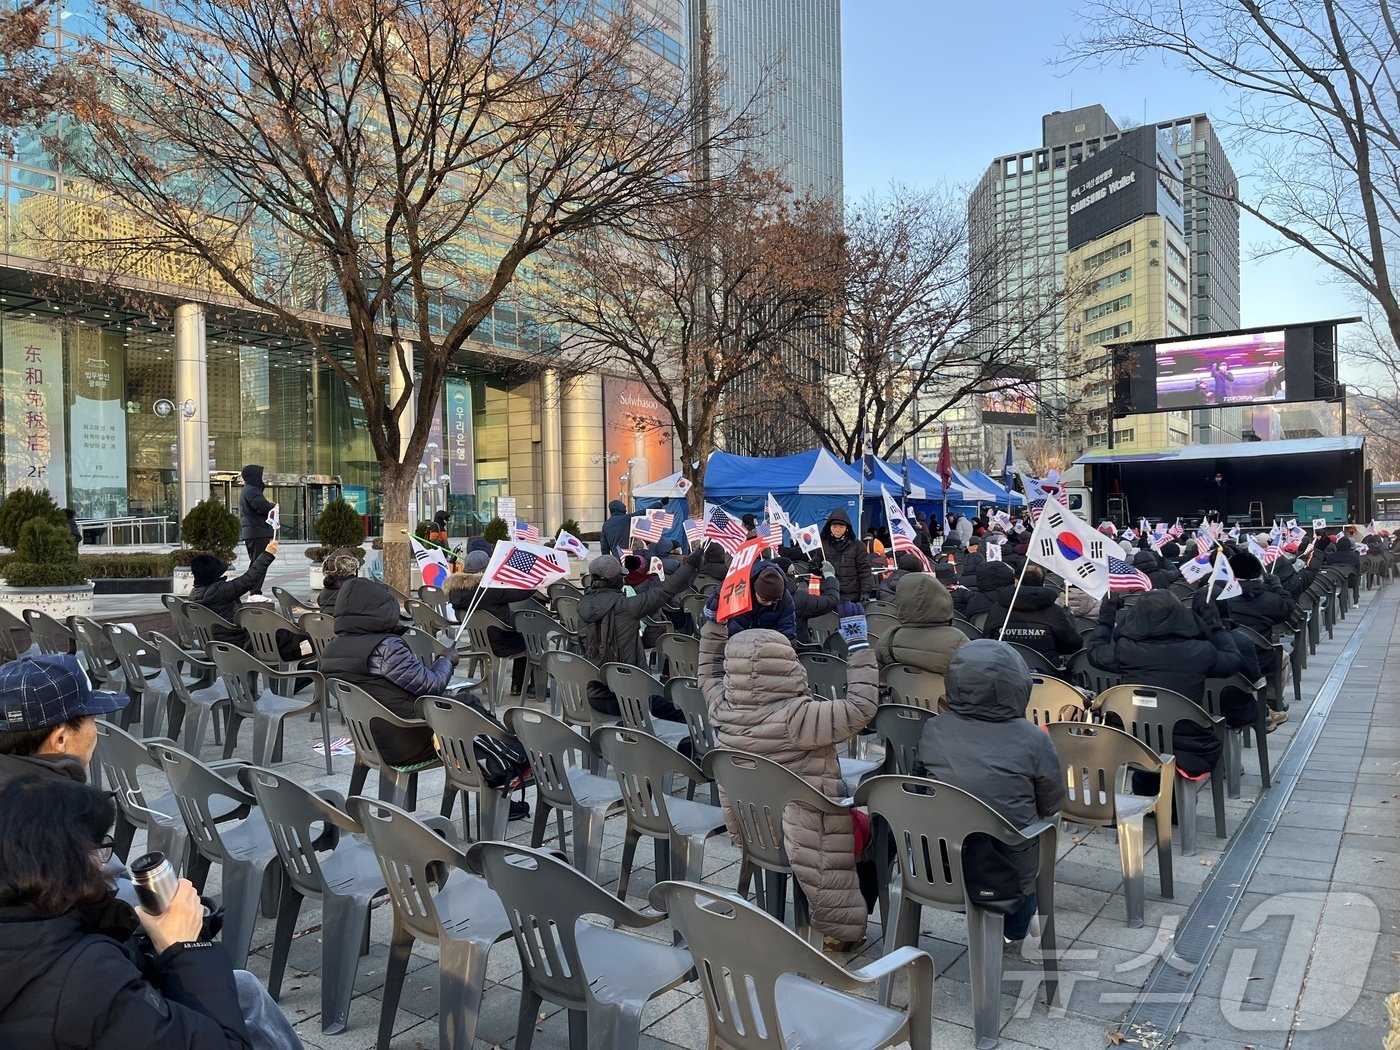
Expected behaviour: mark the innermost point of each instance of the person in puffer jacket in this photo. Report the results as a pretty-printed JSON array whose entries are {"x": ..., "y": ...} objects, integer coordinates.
[
  {"x": 759, "y": 702},
  {"x": 925, "y": 637},
  {"x": 368, "y": 650},
  {"x": 904, "y": 565},
  {"x": 1150, "y": 564},
  {"x": 990, "y": 577},
  {"x": 847, "y": 556}
]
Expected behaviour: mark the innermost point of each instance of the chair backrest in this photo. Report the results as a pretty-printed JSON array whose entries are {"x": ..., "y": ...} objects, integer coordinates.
[
  {"x": 634, "y": 689},
  {"x": 195, "y": 785},
  {"x": 9, "y": 647},
  {"x": 434, "y": 598},
  {"x": 682, "y": 653},
  {"x": 397, "y": 595},
  {"x": 288, "y": 604},
  {"x": 173, "y": 661},
  {"x": 967, "y": 628},
  {"x": 877, "y": 625},
  {"x": 826, "y": 674},
  {"x": 820, "y": 627},
  {"x": 1086, "y": 675},
  {"x": 930, "y": 821},
  {"x": 1151, "y": 713},
  {"x": 979, "y": 620},
  {"x": 553, "y": 749},
  {"x": 642, "y": 765},
  {"x": 121, "y": 757},
  {"x": 262, "y": 625},
  {"x": 455, "y": 725},
  {"x": 360, "y": 711},
  {"x": 759, "y": 790},
  {"x": 693, "y": 605},
  {"x": 129, "y": 647},
  {"x": 880, "y": 609},
  {"x": 540, "y": 631},
  {"x": 1212, "y": 689},
  {"x": 1181, "y": 588},
  {"x": 569, "y": 675},
  {"x": 901, "y": 727},
  {"x": 51, "y": 636},
  {"x": 414, "y": 860},
  {"x": 179, "y": 609},
  {"x": 297, "y": 818},
  {"x": 320, "y": 628},
  {"x": 89, "y": 636},
  {"x": 566, "y": 608},
  {"x": 1049, "y": 698},
  {"x": 914, "y": 686},
  {"x": 478, "y": 627},
  {"x": 203, "y": 620},
  {"x": 426, "y": 618},
  {"x": 239, "y": 672},
  {"x": 424, "y": 646},
  {"x": 562, "y": 589},
  {"x": 741, "y": 952},
  {"x": 1094, "y": 763},
  {"x": 1036, "y": 661},
  {"x": 685, "y": 694}
]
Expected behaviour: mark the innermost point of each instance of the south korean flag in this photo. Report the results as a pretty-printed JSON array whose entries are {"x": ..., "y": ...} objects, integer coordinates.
[{"x": 1067, "y": 545}]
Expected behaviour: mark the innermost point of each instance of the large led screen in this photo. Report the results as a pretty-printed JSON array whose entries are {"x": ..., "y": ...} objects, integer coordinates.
[{"x": 1224, "y": 370}]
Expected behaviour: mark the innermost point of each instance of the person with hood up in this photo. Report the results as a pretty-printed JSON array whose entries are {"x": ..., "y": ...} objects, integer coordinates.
[
  {"x": 773, "y": 607},
  {"x": 610, "y": 622},
  {"x": 760, "y": 702},
  {"x": 461, "y": 589},
  {"x": 224, "y": 597},
  {"x": 925, "y": 637},
  {"x": 986, "y": 581},
  {"x": 985, "y": 745},
  {"x": 253, "y": 509},
  {"x": 1036, "y": 620},
  {"x": 847, "y": 556},
  {"x": 1342, "y": 555},
  {"x": 903, "y": 566},
  {"x": 666, "y": 551},
  {"x": 616, "y": 536},
  {"x": 1151, "y": 565},
  {"x": 368, "y": 650},
  {"x": 338, "y": 566}
]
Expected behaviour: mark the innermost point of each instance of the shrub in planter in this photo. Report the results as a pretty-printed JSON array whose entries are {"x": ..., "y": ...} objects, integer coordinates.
[
  {"x": 126, "y": 566},
  {"x": 495, "y": 531},
  {"x": 571, "y": 526},
  {"x": 23, "y": 505},
  {"x": 338, "y": 525},
  {"x": 208, "y": 528},
  {"x": 46, "y": 556}
]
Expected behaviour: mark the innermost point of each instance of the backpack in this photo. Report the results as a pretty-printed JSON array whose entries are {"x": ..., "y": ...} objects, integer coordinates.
[
  {"x": 505, "y": 765},
  {"x": 992, "y": 880}
]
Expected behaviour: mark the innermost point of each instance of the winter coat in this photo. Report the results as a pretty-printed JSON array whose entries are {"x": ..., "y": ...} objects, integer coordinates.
[
  {"x": 1258, "y": 607},
  {"x": 253, "y": 506},
  {"x": 78, "y": 981},
  {"x": 1151, "y": 565},
  {"x": 461, "y": 589},
  {"x": 1342, "y": 555},
  {"x": 67, "y": 767},
  {"x": 617, "y": 530},
  {"x": 368, "y": 650},
  {"x": 983, "y": 584},
  {"x": 848, "y": 558},
  {"x": 610, "y": 623},
  {"x": 925, "y": 636},
  {"x": 1081, "y": 603},
  {"x": 1036, "y": 621},
  {"x": 222, "y": 597},
  {"x": 964, "y": 530},
  {"x": 666, "y": 551},
  {"x": 1294, "y": 578},
  {"x": 808, "y": 605},
  {"x": 1163, "y": 644},
  {"x": 781, "y": 617},
  {"x": 985, "y": 745},
  {"x": 759, "y": 702}
]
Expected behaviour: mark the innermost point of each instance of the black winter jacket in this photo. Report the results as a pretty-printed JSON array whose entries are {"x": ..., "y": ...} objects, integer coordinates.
[
  {"x": 1036, "y": 621},
  {"x": 1155, "y": 569},
  {"x": 253, "y": 506},
  {"x": 983, "y": 584},
  {"x": 609, "y": 622},
  {"x": 77, "y": 981},
  {"x": 848, "y": 558},
  {"x": 808, "y": 605},
  {"x": 1258, "y": 607},
  {"x": 1166, "y": 645},
  {"x": 616, "y": 531},
  {"x": 224, "y": 598}
]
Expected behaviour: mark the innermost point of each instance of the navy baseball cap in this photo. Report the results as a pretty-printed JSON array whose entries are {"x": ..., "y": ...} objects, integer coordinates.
[{"x": 41, "y": 692}]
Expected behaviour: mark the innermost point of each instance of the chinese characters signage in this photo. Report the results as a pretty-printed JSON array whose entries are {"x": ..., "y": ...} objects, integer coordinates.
[
  {"x": 459, "y": 448},
  {"x": 97, "y": 425},
  {"x": 34, "y": 438}
]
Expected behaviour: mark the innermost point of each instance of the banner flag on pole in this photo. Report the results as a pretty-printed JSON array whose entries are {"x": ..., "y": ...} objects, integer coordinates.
[
  {"x": 735, "y": 594},
  {"x": 1067, "y": 545}
]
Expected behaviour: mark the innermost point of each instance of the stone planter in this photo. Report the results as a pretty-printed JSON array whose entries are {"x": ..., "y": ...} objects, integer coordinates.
[
  {"x": 58, "y": 602},
  {"x": 182, "y": 581}
]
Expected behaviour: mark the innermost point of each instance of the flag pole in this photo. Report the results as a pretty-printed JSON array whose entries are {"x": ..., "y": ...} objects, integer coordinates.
[{"x": 1002, "y": 633}]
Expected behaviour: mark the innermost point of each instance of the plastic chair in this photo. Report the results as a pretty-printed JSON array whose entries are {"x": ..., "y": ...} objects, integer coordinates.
[
  {"x": 693, "y": 605},
  {"x": 1151, "y": 714},
  {"x": 644, "y": 767},
  {"x": 878, "y": 608},
  {"x": 180, "y": 628},
  {"x": 561, "y": 759},
  {"x": 289, "y": 605},
  {"x": 150, "y": 689},
  {"x": 901, "y": 727},
  {"x": 320, "y": 628},
  {"x": 434, "y": 598},
  {"x": 9, "y": 646},
  {"x": 602, "y": 975},
  {"x": 49, "y": 635},
  {"x": 819, "y": 628},
  {"x": 765, "y": 987},
  {"x": 931, "y": 822},
  {"x": 1096, "y": 762},
  {"x": 1241, "y": 738},
  {"x": 877, "y": 625},
  {"x": 1284, "y": 668},
  {"x": 966, "y": 626},
  {"x": 1049, "y": 697},
  {"x": 681, "y": 653},
  {"x": 455, "y": 725},
  {"x": 203, "y": 621},
  {"x": 634, "y": 689},
  {"x": 247, "y": 700},
  {"x": 397, "y": 784},
  {"x": 102, "y": 672},
  {"x": 566, "y": 609},
  {"x": 915, "y": 687},
  {"x": 262, "y": 625},
  {"x": 562, "y": 589},
  {"x": 542, "y": 633},
  {"x": 759, "y": 791},
  {"x": 192, "y": 706},
  {"x": 826, "y": 675},
  {"x": 437, "y": 899},
  {"x": 1036, "y": 661},
  {"x": 324, "y": 856},
  {"x": 429, "y": 619},
  {"x": 121, "y": 758},
  {"x": 568, "y": 675},
  {"x": 495, "y": 667},
  {"x": 248, "y": 867},
  {"x": 685, "y": 693},
  {"x": 1087, "y": 676}
]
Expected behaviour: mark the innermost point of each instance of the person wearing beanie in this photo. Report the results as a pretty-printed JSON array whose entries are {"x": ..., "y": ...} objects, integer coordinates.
[
  {"x": 925, "y": 637},
  {"x": 714, "y": 565},
  {"x": 635, "y": 571},
  {"x": 617, "y": 530},
  {"x": 610, "y": 621},
  {"x": 462, "y": 588},
  {"x": 253, "y": 509},
  {"x": 224, "y": 597},
  {"x": 773, "y": 608},
  {"x": 337, "y": 567}
]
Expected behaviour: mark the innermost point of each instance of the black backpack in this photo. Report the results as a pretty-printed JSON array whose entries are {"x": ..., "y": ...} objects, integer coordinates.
[
  {"x": 991, "y": 876},
  {"x": 505, "y": 765}
]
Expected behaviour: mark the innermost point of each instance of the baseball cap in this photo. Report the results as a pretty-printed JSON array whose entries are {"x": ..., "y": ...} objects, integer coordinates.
[{"x": 40, "y": 692}]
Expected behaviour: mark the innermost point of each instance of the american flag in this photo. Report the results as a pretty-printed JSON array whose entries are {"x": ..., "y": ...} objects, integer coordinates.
[
  {"x": 1036, "y": 506},
  {"x": 663, "y": 518},
  {"x": 523, "y": 569},
  {"x": 773, "y": 532},
  {"x": 648, "y": 530},
  {"x": 1176, "y": 530},
  {"x": 1204, "y": 540},
  {"x": 901, "y": 535},
  {"x": 725, "y": 530},
  {"x": 694, "y": 531},
  {"x": 527, "y": 532},
  {"x": 1274, "y": 550},
  {"x": 1123, "y": 577}
]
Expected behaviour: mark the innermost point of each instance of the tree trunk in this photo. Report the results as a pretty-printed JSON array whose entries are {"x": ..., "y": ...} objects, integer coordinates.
[{"x": 397, "y": 479}]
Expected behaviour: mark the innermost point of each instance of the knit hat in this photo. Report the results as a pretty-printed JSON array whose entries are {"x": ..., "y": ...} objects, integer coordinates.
[
  {"x": 340, "y": 563},
  {"x": 477, "y": 561},
  {"x": 207, "y": 568},
  {"x": 605, "y": 569},
  {"x": 909, "y": 563},
  {"x": 768, "y": 585},
  {"x": 1246, "y": 566}
]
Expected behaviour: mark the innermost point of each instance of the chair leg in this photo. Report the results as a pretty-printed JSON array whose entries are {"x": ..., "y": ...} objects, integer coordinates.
[
  {"x": 775, "y": 890},
  {"x": 399, "y": 949},
  {"x": 904, "y": 934},
  {"x": 492, "y": 814},
  {"x": 461, "y": 982},
  {"x": 1233, "y": 749},
  {"x": 629, "y": 856},
  {"x": 288, "y": 908},
  {"x": 661, "y": 852},
  {"x": 1163, "y": 820},
  {"x": 358, "y": 775},
  {"x": 1187, "y": 820},
  {"x": 1217, "y": 792},
  {"x": 614, "y": 1025},
  {"x": 1130, "y": 857},
  {"x": 588, "y": 840},
  {"x": 345, "y": 927},
  {"x": 541, "y": 822},
  {"x": 984, "y": 937},
  {"x": 242, "y": 891},
  {"x": 527, "y": 1016}
]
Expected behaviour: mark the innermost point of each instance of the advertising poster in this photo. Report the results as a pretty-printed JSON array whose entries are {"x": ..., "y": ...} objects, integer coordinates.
[
  {"x": 97, "y": 425},
  {"x": 636, "y": 428},
  {"x": 34, "y": 437},
  {"x": 458, "y": 446}
]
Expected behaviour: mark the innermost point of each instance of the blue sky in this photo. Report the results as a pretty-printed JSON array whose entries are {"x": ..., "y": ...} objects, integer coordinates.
[{"x": 933, "y": 91}]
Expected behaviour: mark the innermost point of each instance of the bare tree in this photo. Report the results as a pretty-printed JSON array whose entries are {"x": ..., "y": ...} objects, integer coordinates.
[
  {"x": 930, "y": 316},
  {"x": 705, "y": 291},
  {"x": 381, "y": 172},
  {"x": 30, "y": 79}
]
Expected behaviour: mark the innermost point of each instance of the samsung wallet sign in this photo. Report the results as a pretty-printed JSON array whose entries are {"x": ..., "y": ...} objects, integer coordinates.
[{"x": 1127, "y": 179}]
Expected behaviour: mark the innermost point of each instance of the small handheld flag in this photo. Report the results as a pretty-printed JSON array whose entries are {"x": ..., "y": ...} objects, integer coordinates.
[
  {"x": 525, "y": 531},
  {"x": 694, "y": 531},
  {"x": 1224, "y": 575},
  {"x": 1193, "y": 570},
  {"x": 274, "y": 518},
  {"x": 809, "y": 538},
  {"x": 1065, "y": 545},
  {"x": 901, "y": 535},
  {"x": 646, "y": 530},
  {"x": 432, "y": 566},
  {"x": 1124, "y": 577},
  {"x": 570, "y": 544},
  {"x": 523, "y": 565},
  {"x": 725, "y": 530}
]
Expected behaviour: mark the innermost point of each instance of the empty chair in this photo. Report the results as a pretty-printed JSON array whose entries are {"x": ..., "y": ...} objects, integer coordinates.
[
  {"x": 603, "y": 975},
  {"x": 149, "y": 688},
  {"x": 323, "y": 857},
  {"x": 766, "y": 987},
  {"x": 681, "y": 653},
  {"x": 541, "y": 633},
  {"x": 180, "y": 629},
  {"x": 1152, "y": 715},
  {"x": 103, "y": 672},
  {"x": 568, "y": 675},
  {"x": 900, "y": 726},
  {"x": 243, "y": 675},
  {"x": 819, "y": 628},
  {"x": 561, "y": 760},
  {"x": 478, "y": 633},
  {"x": 915, "y": 687},
  {"x": 456, "y": 724},
  {"x": 693, "y": 605},
  {"x": 49, "y": 635},
  {"x": 880, "y": 608},
  {"x": 1097, "y": 763},
  {"x": 289, "y": 605},
  {"x": 398, "y": 783},
  {"x": 566, "y": 609},
  {"x": 678, "y": 827},
  {"x": 197, "y": 696},
  {"x": 244, "y": 851},
  {"x": 1054, "y": 700},
  {"x": 877, "y": 625},
  {"x": 204, "y": 622},
  {"x": 263, "y": 625},
  {"x": 121, "y": 758},
  {"x": 434, "y": 598},
  {"x": 437, "y": 899},
  {"x": 967, "y": 627},
  {"x": 931, "y": 823},
  {"x": 1085, "y": 674},
  {"x": 685, "y": 694},
  {"x": 634, "y": 689},
  {"x": 562, "y": 589}
]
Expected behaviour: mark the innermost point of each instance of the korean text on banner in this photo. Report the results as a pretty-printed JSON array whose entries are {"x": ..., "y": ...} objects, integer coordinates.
[{"x": 735, "y": 594}]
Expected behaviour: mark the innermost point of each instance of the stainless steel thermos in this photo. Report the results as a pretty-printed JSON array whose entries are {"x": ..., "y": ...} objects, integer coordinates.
[{"x": 155, "y": 882}]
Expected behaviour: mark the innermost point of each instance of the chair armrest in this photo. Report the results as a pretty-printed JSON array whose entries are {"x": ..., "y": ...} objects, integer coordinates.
[
  {"x": 889, "y": 964},
  {"x": 1040, "y": 827}
]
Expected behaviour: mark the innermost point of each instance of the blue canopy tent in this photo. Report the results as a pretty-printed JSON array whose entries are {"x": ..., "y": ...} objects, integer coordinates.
[
  {"x": 1002, "y": 493},
  {"x": 808, "y": 485}
]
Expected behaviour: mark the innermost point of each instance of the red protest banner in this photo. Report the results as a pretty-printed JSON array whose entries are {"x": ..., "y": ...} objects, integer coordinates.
[{"x": 735, "y": 594}]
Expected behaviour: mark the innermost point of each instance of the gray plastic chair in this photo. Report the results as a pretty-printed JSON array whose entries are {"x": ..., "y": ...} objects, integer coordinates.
[
  {"x": 681, "y": 653},
  {"x": 634, "y": 689},
  {"x": 685, "y": 693},
  {"x": 241, "y": 675},
  {"x": 437, "y": 899},
  {"x": 931, "y": 822},
  {"x": 121, "y": 758},
  {"x": 901, "y": 727},
  {"x": 1036, "y": 661},
  {"x": 103, "y": 672},
  {"x": 203, "y": 621},
  {"x": 826, "y": 675},
  {"x": 542, "y": 634},
  {"x": 1151, "y": 714},
  {"x": 1096, "y": 763},
  {"x": 397, "y": 784},
  {"x": 759, "y": 790},
  {"x": 49, "y": 635},
  {"x": 562, "y": 589},
  {"x": 767, "y": 989},
  {"x": 566, "y": 609},
  {"x": 1284, "y": 666},
  {"x": 877, "y": 625},
  {"x": 433, "y": 597},
  {"x": 289, "y": 605},
  {"x": 561, "y": 759},
  {"x": 180, "y": 629},
  {"x": 455, "y": 725},
  {"x": 1238, "y": 740},
  {"x": 1049, "y": 697},
  {"x": 968, "y": 629},
  {"x": 880, "y": 608},
  {"x": 320, "y": 628},
  {"x": 819, "y": 628},
  {"x": 678, "y": 827},
  {"x": 324, "y": 856},
  {"x": 262, "y": 624},
  {"x": 915, "y": 687},
  {"x": 196, "y": 699},
  {"x": 248, "y": 867},
  {"x": 602, "y": 975},
  {"x": 151, "y": 689},
  {"x": 1086, "y": 675},
  {"x": 495, "y": 669},
  {"x": 569, "y": 675},
  {"x": 693, "y": 605}
]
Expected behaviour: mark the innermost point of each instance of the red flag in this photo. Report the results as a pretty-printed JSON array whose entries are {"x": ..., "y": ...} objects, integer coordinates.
[
  {"x": 945, "y": 461},
  {"x": 735, "y": 594}
]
